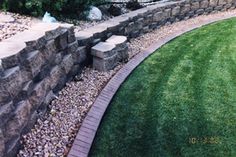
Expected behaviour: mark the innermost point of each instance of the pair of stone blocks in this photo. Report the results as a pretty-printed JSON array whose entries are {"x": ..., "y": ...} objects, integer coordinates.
[{"x": 106, "y": 55}]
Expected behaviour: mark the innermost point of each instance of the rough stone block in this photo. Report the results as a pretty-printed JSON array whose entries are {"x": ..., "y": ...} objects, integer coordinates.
[
  {"x": 44, "y": 72},
  {"x": 37, "y": 44},
  {"x": 10, "y": 61},
  {"x": 55, "y": 75},
  {"x": 34, "y": 62},
  {"x": 61, "y": 40},
  {"x": 209, "y": 9},
  {"x": 200, "y": 11},
  {"x": 185, "y": 9},
  {"x": 176, "y": 11},
  {"x": 57, "y": 59},
  {"x": 121, "y": 46},
  {"x": 2, "y": 144},
  {"x": 12, "y": 81},
  {"x": 6, "y": 112},
  {"x": 19, "y": 120},
  {"x": 39, "y": 93},
  {"x": 49, "y": 51},
  {"x": 129, "y": 28},
  {"x": 103, "y": 50},
  {"x": 148, "y": 19},
  {"x": 194, "y": 6},
  {"x": 204, "y": 4},
  {"x": 72, "y": 47},
  {"x": 222, "y": 2},
  {"x": 159, "y": 16},
  {"x": 71, "y": 35},
  {"x": 213, "y": 3},
  {"x": 67, "y": 63},
  {"x": 26, "y": 90},
  {"x": 80, "y": 55},
  {"x": 218, "y": 8},
  {"x": 105, "y": 64},
  {"x": 227, "y": 6}
]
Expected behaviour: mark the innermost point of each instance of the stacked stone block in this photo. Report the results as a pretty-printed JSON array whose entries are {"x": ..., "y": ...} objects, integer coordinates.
[
  {"x": 35, "y": 64},
  {"x": 30, "y": 79},
  {"x": 106, "y": 55}
]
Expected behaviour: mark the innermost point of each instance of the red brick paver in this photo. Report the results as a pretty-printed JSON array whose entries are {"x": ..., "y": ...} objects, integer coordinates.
[{"x": 87, "y": 132}]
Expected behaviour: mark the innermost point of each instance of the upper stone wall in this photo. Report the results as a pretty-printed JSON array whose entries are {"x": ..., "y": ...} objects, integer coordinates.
[
  {"x": 35, "y": 64},
  {"x": 141, "y": 21}
]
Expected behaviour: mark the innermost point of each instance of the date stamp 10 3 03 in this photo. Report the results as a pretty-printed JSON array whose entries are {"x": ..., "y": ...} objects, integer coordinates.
[{"x": 205, "y": 140}]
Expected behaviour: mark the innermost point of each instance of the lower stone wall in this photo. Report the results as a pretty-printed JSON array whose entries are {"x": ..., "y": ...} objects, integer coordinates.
[{"x": 30, "y": 78}]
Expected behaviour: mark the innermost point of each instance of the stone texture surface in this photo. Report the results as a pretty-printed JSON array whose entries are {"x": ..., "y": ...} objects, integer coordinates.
[{"x": 103, "y": 50}]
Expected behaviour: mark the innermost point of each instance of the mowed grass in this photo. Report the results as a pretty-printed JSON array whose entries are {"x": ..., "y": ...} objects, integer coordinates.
[{"x": 180, "y": 102}]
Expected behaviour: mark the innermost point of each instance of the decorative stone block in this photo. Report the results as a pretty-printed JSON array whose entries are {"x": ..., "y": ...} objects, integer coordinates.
[
  {"x": 121, "y": 47},
  {"x": 105, "y": 64},
  {"x": 72, "y": 47},
  {"x": 159, "y": 16},
  {"x": 213, "y": 3},
  {"x": 33, "y": 63},
  {"x": 49, "y": 51},
  {"x": 18, "y": 120},
  {"x": 67, "y": 63},
  {"x": 185, "y": 9},
  {"x": 39, "y": 93},
  {"x": 194, "y": 6},
  {"x": 227, "y": 6},
  {"x": 61, "y": 40},
  {"x": 2, "y": 144},
  {"x": 80, "y": 55},
  {"x": 148, "y": 19},
  {"x": 10, "y": 61},
  {"x": 6, "y": 112},
  {"x": 175, "y": 11},
  {"x": 103, "y": 50},
  {"x": 222, "y": 2},
  {"x": 12, "y": 81},
  {"x": 200, "y": 11},
  {"x": 55, "y": 75},
  {"x": 204, "y": 4}
]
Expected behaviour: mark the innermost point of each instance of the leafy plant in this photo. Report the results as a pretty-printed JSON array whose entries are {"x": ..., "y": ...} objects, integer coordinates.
[{"x": 58, "y": 8}]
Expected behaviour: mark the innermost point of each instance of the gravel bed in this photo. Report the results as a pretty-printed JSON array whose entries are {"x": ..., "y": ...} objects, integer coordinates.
[
  {"x": 11, "y": 23},
  {"x": 53, "y": 135}
]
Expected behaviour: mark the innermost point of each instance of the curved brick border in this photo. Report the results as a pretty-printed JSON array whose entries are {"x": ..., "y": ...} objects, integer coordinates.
[{"x": 88, "y": 129}]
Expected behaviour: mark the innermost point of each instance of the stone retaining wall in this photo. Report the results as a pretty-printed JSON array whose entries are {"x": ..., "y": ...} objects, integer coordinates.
[
  {"x": 37, "y": 63},
  {"x": 141, "y": 21},
  {"x": 34, "y": 65}
]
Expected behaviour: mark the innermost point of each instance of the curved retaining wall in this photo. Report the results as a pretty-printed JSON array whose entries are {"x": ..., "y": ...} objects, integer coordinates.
[
  {"x": 87, "y": 132},
  {"x": 37, "y": 63}
]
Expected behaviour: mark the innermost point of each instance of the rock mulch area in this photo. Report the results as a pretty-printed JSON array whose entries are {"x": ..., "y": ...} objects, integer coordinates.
[
  {"x": 54, "y": 134},
  {"x": 11, "y": 23}
]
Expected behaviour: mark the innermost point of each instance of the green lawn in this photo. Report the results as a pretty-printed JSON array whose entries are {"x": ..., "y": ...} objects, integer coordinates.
[{"x": 180, "y": 102}]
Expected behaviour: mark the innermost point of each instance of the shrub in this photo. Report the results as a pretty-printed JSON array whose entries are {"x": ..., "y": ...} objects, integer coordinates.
[
  {"x": 58, "y": 8},
  {"x": 133, "y": 5}
]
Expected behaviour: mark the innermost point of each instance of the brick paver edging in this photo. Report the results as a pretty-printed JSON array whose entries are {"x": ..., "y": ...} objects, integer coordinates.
[{"x": 87, "y": 132}]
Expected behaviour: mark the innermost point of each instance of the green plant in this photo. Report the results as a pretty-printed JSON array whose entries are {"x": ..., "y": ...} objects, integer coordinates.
[{"x": 59, "y": 8}]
